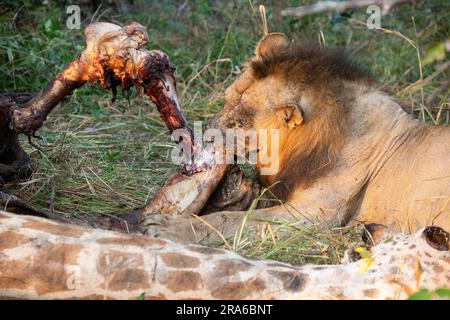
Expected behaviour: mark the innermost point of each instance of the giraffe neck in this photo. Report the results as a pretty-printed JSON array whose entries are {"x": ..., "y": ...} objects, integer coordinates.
[{"x": 43, "y": 259}]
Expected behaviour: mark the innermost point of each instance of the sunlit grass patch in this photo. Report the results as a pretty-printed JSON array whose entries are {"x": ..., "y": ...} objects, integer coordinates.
[{"x": 304, "y": 244}]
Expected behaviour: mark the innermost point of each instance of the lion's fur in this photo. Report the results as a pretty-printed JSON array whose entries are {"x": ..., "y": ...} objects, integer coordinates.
[
  {"x": 308, "y": 64},
  {"x": 322, "y": 73},
  {"x": 351, "y": 135}
]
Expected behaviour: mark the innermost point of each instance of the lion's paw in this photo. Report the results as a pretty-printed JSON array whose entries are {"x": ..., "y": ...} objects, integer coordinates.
[{"x": 166, "y": 226}]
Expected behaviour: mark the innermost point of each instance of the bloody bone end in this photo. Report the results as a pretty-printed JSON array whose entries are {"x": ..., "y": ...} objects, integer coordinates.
[{"x": 159, "y": 84}]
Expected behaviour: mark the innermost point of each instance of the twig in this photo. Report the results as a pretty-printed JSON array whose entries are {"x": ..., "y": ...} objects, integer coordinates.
[
  {"x": 9, "y": 200},
  {"x": 327, "y": 6},
  {"x": 262, "y": 12},
  {"x": 35, "y": 145},
  {"x": 432, "y": 96},
  {"x": 52, "y": 200},
  {"x": 181, "y": 8},
  {"x": 438, "y": 70}
]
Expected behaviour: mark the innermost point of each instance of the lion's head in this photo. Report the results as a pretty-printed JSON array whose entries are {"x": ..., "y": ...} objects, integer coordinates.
[{"x": 300, "y": 90}]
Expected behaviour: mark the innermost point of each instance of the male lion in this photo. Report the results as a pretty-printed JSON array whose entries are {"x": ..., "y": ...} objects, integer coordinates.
[{"x": 348, "y": 151}]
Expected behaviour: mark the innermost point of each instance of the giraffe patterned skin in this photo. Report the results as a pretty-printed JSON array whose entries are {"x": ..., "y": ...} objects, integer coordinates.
[{"x": 42, "y": 259}]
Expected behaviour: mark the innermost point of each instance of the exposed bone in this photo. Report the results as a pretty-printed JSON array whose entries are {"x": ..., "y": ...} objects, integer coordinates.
[
  {"x": 186, "y": 195},
  {"x": 113, "y": 56}
]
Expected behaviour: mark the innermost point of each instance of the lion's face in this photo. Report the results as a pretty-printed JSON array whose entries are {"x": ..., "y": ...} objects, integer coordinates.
[
  {"x": 263, "y": 104},
  {"x": 302, "y": 93}
]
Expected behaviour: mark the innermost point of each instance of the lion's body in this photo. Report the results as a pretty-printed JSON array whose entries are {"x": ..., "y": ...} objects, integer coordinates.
[
  {"x": 356, "y": 155},
  {"x": 391, "y": 169},
  {"x": 413, "y": 188}
]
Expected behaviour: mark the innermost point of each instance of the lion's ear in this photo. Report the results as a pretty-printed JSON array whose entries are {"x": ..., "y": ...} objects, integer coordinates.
[
  {"x": 292, "y": 116},
  {"x": 272, "y": 41}
]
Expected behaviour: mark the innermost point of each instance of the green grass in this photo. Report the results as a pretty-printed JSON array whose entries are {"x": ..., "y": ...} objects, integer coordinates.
[
  {"x": 299, "y": 244},
  {"x": 102, "y": 157}
]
